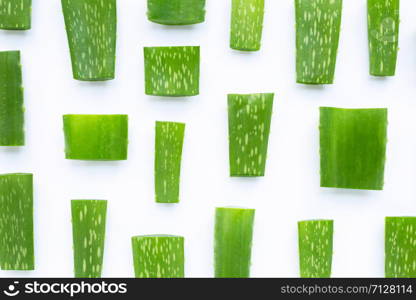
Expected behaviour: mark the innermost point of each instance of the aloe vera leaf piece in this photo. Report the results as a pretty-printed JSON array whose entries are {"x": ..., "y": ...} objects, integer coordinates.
[
  {"x": 172, "y": 71},
  {"x": 158, "y": 256},
  {"x": 232, "y": 242},
  {"x": 88, "y": 232},
  {"x": 249, "y": 118},
  {"x": 96, "y": 137},
  {"x": 176, "y": 12},
  {"x": 318, "y": 25},
  {"x": 383, "y": 36},
  {"x": 400, "y": 247},
  {"x": 15, "y": 14},
  {"x": 11, "y": 100},
  {"x": 246, "y": 24},
  {"x": 91, "y": 26},
  {"x": 168, "y": 155},
  {"x": 16, "y": 222},
  {"x": 353, "y": 147},
  {"x": 315, "y": 248}
]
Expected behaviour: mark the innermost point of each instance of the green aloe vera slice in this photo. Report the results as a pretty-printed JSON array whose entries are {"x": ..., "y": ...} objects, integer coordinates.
[
  {"x": 88, "y": 232},
  {"x": 96, "y": 137},
  {"x": 232, "y": 242},
  {"x": 353, "y": 147},
  {"x": 15, "y": 14},
  {"x": 383, "y": 36},
  {"x": 246, "y": 24},
  {"x": 249, "y": 118},
  {"x": 11, "y": 100},
  {"x": 318, "y": 25},
  {"x": 176, "y": 12},
  {"x": 172, "y": 71},
  {"x": 91, "y": 26},
  {"x": 168, "y": 148},
  {"x": 315, "y": 248},
  {"x": 158, "y": 256},
  {"x": 400, "y": 247},
  {"x": 16, "y": 222}
]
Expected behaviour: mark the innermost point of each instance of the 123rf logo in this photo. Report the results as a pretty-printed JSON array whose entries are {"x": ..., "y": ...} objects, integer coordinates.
[{"x": 61, "y": 288}]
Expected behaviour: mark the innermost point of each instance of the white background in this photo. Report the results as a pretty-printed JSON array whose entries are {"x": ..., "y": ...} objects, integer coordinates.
[{"x": 289, "y": 192}]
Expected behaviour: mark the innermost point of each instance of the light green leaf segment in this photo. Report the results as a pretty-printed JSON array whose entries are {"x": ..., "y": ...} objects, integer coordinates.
[
  {"x": 383, "y": 36},
  {"x": 96, "y": 137},
  {"x": 11, "y": 100},
  {"x": 16, "y": 222},
  {"x": 15, "y": 14},
  {"x": 172, "y": 71},
  {"x": 353, "y": 147},
  {"x": 168, "y": 148},
  {"x": 400, "y": 247},
  {"x": 91, "y": 27},
  {"x": 246, "y": 24},
  {"x": 158, "y": 256},
  {"x": 315, "y": 248},
  {"x": 232, "y": 243},
  {"x": 88, "y": 231},
  {"x": 317, "y": 35},
  {"x": 176, "y": 12},
  {"x": 249, "y": 118}
]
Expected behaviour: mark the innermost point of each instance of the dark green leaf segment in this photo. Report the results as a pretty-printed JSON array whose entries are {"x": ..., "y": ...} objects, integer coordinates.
[
  {"x": 11, "y": 100},
  {"x": 88, "y": 232},
  {"x": 172, "y": 71},
  {"x": 158, "y": 256},
  {"x": 249, "y": 118},
  {"x": 91, "y": 27},
  {"x": 353, "y": 147},
  {"x": 168, "y": 148},
  {"x": 15, "y": 14},
  {"x": 383, "y": 36},
  {"x": 232, "y": 243},
  {"x": 176, "y": 12},
  {"x": 317, "y": 35},
  {"x": 96, "y": 137},
  {"x": 16, "y": 222},
  {"x": 400, "y": 247},
  {"x": 315, "y": 248},
  {"x": 246, "y": 24}
]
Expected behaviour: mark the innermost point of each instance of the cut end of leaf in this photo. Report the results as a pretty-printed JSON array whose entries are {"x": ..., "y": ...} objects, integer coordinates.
[
  {"x": 353, "y": 147},
  {"x": 158, "y": 256},
  {"x": 168, "y": 156},
  {"x": 176, "y": 12},
  {"x": 15, "y": 14},
  {"x": 249, "y": 119},
  {"x": 400, "y": 247},
  {"x": 172, "y": 71},
  {"x": 317, "y": 35},
  {"x": 232, "y": 242},
  {"x": 246, "y": 24},
  {"x": 91, "y": 28},
  {"x": 11, "y": 100},
  {"x": 88, "y": 229},
  {"x": 16, "y": 222},
  {"x": 315, "y": 248},
  {"x": 383, "y": 36},
  {"x": 96, "y": 137}
]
